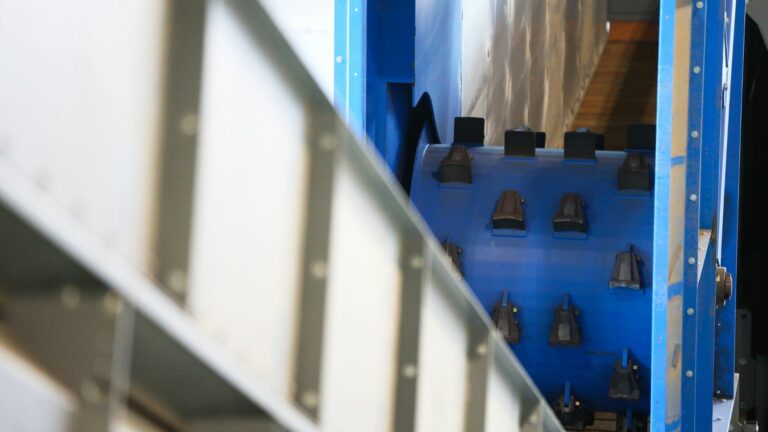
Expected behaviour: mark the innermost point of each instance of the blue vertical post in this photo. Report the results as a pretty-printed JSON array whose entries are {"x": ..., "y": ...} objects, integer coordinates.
[
  {"x": 696, "y": 401},
  {"x": 349, "y": 70},
  {"x": 712, "y": 112},
  {"x": 725, "y": 331},
  {"x": 665, "y": 409}
]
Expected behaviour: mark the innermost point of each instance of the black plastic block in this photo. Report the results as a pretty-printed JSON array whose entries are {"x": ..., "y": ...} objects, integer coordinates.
[
  {"x": 581, "y": 144},
  {"x": 469, "y": 130},
  {"x": 571, "y": 412},
  {"x": 505, "y": 319},
  {"x": 635, "y": 173},
  {"x": 570, "y": 215},
  {"x": 624, "y": 381},
  {"x": 565, "y": 327},
  {"x": 641, "y": 136},
  {"x": 520, "y": 142},
  {"x": 509, "y": 211},
  {"x": 626, "y": 271},
  {"x": 456, "y": 167}
]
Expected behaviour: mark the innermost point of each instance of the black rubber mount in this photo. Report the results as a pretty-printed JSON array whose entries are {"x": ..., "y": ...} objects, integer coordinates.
[
  {"x": 570, "y": 215},
  {"x": 509, "y": 211},
  {"x": 581, "y": 144},
  {"x": 635, "y": 173},
  {"x": 626, "y": 271},
  {"x": 641, "y": 136},
  {"x": 505, "y": 319},
  {"x": 469, "y": 130},
  {"x": 456, "y": 166}
]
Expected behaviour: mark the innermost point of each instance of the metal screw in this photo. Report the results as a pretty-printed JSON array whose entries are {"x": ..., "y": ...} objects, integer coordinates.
[
  {"x": 188, "y": 124},
  {"x": 634, "y": 367},
  {"x": 689, "y": 373},
  {"x": 90, "y": 392},
  {"x": 339, "y": 59},
  {"x": 690, "y": 311},
  {"x": 695, "y": 134},
  {"x": 112, "y": 304},
  {"x": 409, "y": 370},
  {"x": 70, "y": 296},
  {"x": 696, "y": 69},
  {"x": 319, "y": 269},
  {"x": 691, "y": 260},
  {"x": 699, "y": 4},
  {"x": 309, "y": 398},
  {"x": 514, "y": 309},
  {"x": 693, "y": 197},
  {"x": 577, "y": 403},
  {"x": 481, "y": 349},
  {"x": 533, "y": 419},
  {"x": 416, "y": 262},
  {"x": 176, "y": 280},
  {"x": 328, "y": 142}
]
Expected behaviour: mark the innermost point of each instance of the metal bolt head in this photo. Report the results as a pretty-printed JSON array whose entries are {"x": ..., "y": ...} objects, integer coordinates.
[
  {"x": 533, "y": 419},
  {"x": 416, "y": 262},
  {"x": 482, "y": 349},
  {"x": 309, "y": 398},
  {"x": 743, "y": 361},
  {"x": 176, "y": 281},
  {"x": 339, "y": 59},
  {"x": 318, "y": 269},
  {"x": 409, "y": 370},
  {"x": 693, "y": 197},
  {"x": 696, "y": 69},
  {"x": 689, "y": 373},
  {"x": 70, "y": 296},
  {"x": 577, "y": 403},
  {"x": 695, "y": 134},
  {"x": 514, "y": 309},
  {"x": 691, "y": 260},
  {"x": 634, "y": 367},
  {"x": 690, "y": 311},
  {"x": 328, "y": 142},
  {"x": 90, "y": 392},
  {"x": 699, "y": 4},
  {"x": 112, "y": 304},
  {"x": 188, "y": 124}
]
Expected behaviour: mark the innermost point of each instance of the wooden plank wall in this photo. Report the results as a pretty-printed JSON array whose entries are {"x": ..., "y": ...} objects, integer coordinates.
[{"x": 623, "y": 87}]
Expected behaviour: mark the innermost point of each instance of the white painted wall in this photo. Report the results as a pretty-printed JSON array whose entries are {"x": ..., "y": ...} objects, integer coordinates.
[{"x": 308, "y": 26}]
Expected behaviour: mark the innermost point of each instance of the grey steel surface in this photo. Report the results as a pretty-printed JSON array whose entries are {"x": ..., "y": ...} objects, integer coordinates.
[
  {"x": 416, "y": 268},
  {"x": 171, "y": 360},
  {"x": 179, "y": 144},
  {"x": 314, "y": 272},
  {"x": 51, "y": 245}
]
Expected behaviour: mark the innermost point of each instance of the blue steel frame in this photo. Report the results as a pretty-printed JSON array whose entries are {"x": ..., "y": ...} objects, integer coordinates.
[
  {"x": 711, "y": 181},
  {"x": 728, "y": 240},
  {"x": 350, "y": 61},
  {"x": 711, "y": 203}
]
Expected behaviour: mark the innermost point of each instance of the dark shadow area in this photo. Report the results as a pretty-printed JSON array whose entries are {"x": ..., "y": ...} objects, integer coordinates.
[{"x": 752, "y": 293}]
